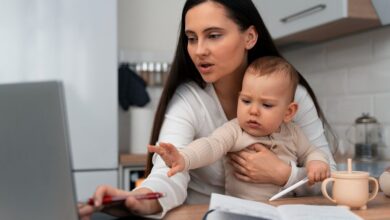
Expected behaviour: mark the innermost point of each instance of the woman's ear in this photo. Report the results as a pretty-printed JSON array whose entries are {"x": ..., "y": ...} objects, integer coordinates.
[
  {"x": 251, "y": 37},
  {"x": 290, "y": 112}
]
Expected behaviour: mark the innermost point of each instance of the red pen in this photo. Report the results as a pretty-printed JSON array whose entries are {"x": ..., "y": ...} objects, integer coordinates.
[{"x": 110, "y": 199}]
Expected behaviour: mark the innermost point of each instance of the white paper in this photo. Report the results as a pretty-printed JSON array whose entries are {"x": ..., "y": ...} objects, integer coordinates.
[
  {"x": 244, "y": 207},
  {"x": 229, "y": 208},
  {"x": 318, "y": 212}
]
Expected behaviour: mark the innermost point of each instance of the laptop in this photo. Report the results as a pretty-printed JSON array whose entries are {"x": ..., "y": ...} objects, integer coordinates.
[{"x": 36, "y": 180}]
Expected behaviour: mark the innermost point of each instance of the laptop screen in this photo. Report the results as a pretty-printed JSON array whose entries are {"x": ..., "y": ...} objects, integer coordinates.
[{"x": 36, "y": 175}]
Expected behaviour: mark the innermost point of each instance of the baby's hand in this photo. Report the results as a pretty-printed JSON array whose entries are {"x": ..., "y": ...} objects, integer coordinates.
[
  {"x": 317, "y": 171},
  {"x": 170, "y": 155}
]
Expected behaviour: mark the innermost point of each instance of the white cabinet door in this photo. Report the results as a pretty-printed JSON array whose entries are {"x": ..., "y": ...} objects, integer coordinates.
[{"x": 284, "y": 18}]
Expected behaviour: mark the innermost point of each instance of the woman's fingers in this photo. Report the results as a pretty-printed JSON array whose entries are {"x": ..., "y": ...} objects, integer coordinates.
[
  {"x": 242, "y": 177},
  {"x": 238, "y": 167},
  {"x": 239, "y": 158},
  {"x": 242, "y": 156},
  {"x": 143, "y": 207},
  {"x": 261, "y": 165},
  {"x": 85, "y": 211},
  {"x": 133, "y": 204},
  {"x": 98, "y": 195},
  {"x": 101, "y": 191},
  {"x": 258, "y": 147}
]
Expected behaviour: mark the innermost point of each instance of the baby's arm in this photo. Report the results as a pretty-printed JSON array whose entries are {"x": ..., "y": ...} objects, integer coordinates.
[
  {"x": 171, "y": 156},
  {"x": 199, "y": 153}
]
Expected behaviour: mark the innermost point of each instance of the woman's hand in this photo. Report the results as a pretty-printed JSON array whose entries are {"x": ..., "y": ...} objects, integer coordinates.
[
  {"x": 257, "y": 164},
  {"x": 132, "y": 205}
]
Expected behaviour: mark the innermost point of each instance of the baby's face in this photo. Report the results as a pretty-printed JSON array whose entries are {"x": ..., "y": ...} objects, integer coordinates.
[{"x": 263, "y": 103}]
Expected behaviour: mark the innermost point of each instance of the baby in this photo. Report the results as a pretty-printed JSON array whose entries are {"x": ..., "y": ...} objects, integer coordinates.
[{"x": 265, "y": 110}]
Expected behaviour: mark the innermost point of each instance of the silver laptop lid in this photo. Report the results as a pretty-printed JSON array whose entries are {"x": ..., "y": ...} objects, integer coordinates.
[{"x": 36, "y": 179}]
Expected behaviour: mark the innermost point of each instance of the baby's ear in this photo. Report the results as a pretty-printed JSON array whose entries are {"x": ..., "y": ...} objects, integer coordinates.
[{"x": 290, "y": 112}]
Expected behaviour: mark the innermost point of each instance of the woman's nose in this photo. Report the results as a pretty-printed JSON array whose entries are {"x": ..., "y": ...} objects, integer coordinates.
[{"x": 202, "y": 48}]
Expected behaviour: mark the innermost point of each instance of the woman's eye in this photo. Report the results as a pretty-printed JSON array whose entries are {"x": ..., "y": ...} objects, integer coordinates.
[
  {"x": 191, "y": 39},
  {"x": 214, "y": 36}
]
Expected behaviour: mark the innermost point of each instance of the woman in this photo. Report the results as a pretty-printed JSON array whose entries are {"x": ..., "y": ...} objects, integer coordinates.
[{"x": 217, "y": 41}]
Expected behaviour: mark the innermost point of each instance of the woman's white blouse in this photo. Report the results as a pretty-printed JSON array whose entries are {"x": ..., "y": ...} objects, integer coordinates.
[{"x": 194, "y": 112}]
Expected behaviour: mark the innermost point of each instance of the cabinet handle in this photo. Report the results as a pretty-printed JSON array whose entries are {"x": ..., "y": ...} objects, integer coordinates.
[{"x": 304, "y": 13}]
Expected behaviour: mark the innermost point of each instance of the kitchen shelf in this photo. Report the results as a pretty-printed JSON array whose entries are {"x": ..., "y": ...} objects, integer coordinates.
[{"x": 311, "y": 21}]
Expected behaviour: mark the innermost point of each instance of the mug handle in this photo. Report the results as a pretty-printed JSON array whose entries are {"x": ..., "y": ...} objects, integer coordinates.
[
  {"x": 323, "y": 188},
  {"x": 376, "y": 188}
]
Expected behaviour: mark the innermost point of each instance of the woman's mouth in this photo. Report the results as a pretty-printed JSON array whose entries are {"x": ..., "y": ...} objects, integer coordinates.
[{"x": 205, "y": 68}]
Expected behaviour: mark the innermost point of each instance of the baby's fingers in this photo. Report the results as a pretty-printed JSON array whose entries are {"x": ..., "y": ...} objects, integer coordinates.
[
  {"x": 171, "y": 172},
  {"x": 155, "y": 149},
  {"x": 311, "y": 178},
  {"x": 324, "y": 175},
  {"x": 152, "y": 149},
  {"x": 174, "y": 170},
  {"x": 168, "y": 147}
]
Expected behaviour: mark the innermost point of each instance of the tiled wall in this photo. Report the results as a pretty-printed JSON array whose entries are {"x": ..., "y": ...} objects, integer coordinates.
[{"x": 350, "y": 75}]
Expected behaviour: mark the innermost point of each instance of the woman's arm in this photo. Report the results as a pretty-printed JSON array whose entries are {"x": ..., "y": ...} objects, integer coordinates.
[{"x": 179, "y": 128}]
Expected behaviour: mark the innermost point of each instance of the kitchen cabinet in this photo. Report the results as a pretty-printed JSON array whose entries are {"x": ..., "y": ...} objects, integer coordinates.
[{"x": 308, "y": 21}]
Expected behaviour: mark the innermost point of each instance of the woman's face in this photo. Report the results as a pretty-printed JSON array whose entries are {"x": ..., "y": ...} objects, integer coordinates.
[{"x": 216, "y": 44}]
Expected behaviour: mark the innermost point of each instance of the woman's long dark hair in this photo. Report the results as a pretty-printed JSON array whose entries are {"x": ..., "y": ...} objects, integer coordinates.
[{"x": 244, "y": 14}]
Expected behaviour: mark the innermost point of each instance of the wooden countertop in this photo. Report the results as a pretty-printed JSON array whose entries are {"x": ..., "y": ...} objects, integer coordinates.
[{"x": 377, "y": 209}]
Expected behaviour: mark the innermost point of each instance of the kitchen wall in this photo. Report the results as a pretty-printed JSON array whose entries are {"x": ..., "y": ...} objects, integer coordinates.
[
  {"x": 147, "y": 29},
  {"x": 349, "y": 75}
]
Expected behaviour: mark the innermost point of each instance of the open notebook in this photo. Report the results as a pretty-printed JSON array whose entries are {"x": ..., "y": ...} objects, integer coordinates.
[
  {"x": 35, "y": 166},
  {"x": 229, "y": 208}
]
